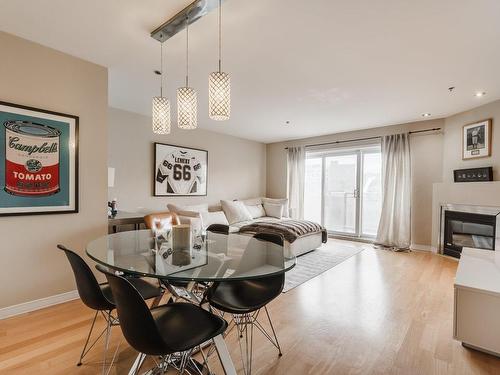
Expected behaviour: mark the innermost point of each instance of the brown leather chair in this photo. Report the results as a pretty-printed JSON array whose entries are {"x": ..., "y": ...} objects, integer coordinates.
[{"x": 161, "y": 219}]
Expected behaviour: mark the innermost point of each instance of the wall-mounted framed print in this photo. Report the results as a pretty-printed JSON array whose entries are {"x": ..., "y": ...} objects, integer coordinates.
[
  {"x": 179, "y": 171},
  {"x": 39, "y": 156},
  {"x": 476, "y": 140}
]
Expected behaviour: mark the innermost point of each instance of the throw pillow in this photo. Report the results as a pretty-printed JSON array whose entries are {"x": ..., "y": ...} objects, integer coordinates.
[
  {"x": 252, "y": 201},
  {"x": 216, "y": 217},
  {"x": 256, "y": 210},
  {"x": 235, "y": 211},
  {"x": 274, "y": 210},
  {"x": 281, "y": 201}
]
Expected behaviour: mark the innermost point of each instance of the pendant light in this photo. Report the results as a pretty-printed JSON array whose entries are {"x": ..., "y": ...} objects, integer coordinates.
[
  {"x": 161, "y": 106},
  {"x": 219, "y": 87},
  {"x": 187, "y": 102}
]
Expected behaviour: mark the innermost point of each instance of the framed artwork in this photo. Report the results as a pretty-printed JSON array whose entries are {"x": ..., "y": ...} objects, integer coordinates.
[
  {"x": 476, "y": 140},
  {"x": 179, "y": 171},
  {"x": 39, "y": 155}
]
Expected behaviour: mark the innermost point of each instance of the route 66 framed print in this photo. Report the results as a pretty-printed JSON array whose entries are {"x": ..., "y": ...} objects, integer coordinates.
[{"x": 179, "y": 171}]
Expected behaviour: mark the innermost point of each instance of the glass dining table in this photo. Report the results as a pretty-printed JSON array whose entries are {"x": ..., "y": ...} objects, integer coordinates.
[{"x": 211, "y": 257}]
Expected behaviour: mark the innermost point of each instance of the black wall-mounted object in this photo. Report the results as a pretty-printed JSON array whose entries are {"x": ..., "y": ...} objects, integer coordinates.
[{"x": 473, "y": 174}]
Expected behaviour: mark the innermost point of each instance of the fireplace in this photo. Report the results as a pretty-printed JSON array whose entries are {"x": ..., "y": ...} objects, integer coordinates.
[{"x": 468, "y": 229}]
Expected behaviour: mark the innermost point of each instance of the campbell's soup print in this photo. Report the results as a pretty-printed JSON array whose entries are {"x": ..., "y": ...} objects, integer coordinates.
[{"x": 31, "y": 159}]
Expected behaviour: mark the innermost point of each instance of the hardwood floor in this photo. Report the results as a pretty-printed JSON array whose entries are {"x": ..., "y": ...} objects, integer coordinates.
[{"x": 376, "y": 313}]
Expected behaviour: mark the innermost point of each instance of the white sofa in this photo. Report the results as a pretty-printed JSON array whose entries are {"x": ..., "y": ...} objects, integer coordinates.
[{"x": 238, "y": 213}]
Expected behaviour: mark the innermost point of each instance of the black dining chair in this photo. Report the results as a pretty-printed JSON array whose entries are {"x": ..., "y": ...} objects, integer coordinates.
[
  {"x": 99, "y": 297},
  {"x": 244, "y": 299},
  {"x": 175, "y": 328}
]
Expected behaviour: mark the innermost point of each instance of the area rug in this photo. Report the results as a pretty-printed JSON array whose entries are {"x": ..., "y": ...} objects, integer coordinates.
[{"x": 320, "y": 260}]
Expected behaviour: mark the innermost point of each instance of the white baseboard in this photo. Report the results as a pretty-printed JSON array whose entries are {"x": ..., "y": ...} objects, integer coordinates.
[
  {"x": 26, "y": 307},
  {"x": 421, "y": 247}
]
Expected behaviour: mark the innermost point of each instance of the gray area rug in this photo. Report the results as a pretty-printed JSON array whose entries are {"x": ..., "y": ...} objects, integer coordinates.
[{"x": 320, "y": 260}]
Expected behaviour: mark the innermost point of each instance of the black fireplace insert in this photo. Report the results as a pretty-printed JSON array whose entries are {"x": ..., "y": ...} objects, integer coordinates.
[{"x": 465, "y": 229}]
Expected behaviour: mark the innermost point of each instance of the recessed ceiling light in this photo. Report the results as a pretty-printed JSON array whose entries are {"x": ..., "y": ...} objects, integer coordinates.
[
  {"x": 287, "y": 122},
  {"x": 479, "y": 94},
  {"x": 426, "y": 114}
]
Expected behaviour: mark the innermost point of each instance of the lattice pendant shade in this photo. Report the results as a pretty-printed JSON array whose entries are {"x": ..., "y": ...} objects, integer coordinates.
[
  {"x": 187, "y": 108},
  {"x": 219, "y": 96},
  {"x": 161, "y": 115}
]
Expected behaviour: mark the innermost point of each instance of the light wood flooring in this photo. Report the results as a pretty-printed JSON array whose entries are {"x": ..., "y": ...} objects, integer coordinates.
[{"x": 376, "y": 313}]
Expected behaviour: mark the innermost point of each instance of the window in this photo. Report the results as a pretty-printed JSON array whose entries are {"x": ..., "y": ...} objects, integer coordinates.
[{"x": 343, "y": 190}]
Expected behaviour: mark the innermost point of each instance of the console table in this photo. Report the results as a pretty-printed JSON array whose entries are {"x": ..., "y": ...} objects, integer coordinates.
[
  {"x": 124, "y": 221},
  {"x": 477, "y": 300}
]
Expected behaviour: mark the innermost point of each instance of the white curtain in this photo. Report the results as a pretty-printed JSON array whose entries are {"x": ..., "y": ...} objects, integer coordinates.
[
  {"x": 296, "y": 164},
  {"x": 394, "y": 229}
]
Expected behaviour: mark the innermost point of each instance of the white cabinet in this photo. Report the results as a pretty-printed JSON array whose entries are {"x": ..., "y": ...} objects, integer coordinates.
[{"x": 477, "y": 300}]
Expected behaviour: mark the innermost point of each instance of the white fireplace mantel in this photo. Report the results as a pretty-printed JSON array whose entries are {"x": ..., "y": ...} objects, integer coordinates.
[{"x": 481, "y": 197}]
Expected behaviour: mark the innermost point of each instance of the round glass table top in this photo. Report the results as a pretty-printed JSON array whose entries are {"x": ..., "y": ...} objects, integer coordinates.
[{"x": 213, "y": 257}]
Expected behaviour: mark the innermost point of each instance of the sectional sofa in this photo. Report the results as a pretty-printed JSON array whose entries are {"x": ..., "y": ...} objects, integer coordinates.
[{"x": 238, "y": 214}]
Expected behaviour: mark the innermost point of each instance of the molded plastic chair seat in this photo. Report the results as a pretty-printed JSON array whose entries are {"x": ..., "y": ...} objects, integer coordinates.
[
  {"x": 241, "y": 297},
  {"x": 184, "y": 326},
  {"x": 244, "y": 299},
  {"x": 99, "y": 297},
  {"x": 163, "y": 330}
]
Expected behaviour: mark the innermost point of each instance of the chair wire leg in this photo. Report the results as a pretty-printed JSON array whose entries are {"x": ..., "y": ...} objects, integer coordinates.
[
  {"x": 240, "y": 329},
  {"x": 251, "y": 350},
  {"x": 245, "y": 326},
  {"x": 205, "y": 361},
  {"x": 88, "y": 339},
  {"x": 185, "y": 359},
  {"x": 274, "y": 332},
  {"x": 140, "y": 363},
  {"x": 162, "y": 365},
  {"x": 246, "y": 349},
  {"x": 113, "y": 358},
  {"x": 109, "y": 321}
]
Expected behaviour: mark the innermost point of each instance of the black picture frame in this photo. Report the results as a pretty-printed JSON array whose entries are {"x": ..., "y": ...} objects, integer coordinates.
[
  {"x": 170, "y": 148},
  {"x": 73, "y": 162},
  {"x": 483, "y": 138}
]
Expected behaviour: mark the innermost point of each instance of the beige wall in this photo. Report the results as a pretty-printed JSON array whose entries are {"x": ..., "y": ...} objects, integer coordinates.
[
  {"x": 237, "y": 167},
  {"x": 453, "y": 141},
  {"x": 426, "y": 168},
  {"x": 36, "y": 76}
]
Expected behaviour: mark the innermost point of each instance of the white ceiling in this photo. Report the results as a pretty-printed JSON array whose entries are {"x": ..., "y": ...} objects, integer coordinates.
[{"x": 324, "y": 65}]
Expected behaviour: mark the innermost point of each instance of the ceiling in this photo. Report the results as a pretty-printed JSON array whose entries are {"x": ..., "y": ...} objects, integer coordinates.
[{"x": 325, "y": 66}]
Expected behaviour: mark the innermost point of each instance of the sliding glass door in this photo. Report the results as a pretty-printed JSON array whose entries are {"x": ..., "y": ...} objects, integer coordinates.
[
  {"x": 343, "y": 190},
  {"x": 340, "y": 193}
]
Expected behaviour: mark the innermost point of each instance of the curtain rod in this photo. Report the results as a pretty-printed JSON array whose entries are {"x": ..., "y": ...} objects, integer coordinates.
[{"x": 367, "y": 138}]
